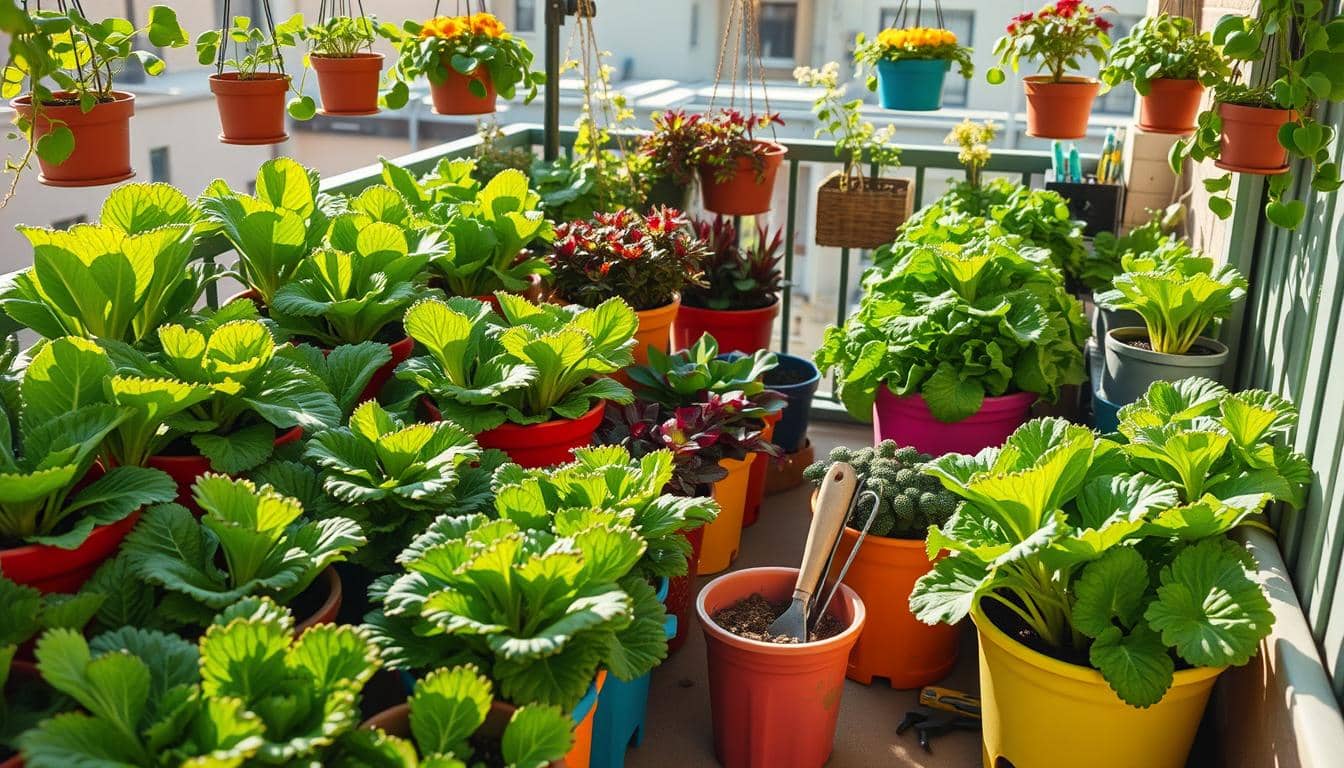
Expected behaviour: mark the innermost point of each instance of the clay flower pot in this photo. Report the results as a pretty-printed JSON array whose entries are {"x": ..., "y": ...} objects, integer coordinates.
[
  {"x": 102, "y": 153},
  {"x": 348, "y": 84},
  {"x": 186, "y": 469},
  {"x": 723, "y": 536},
  {"x": 1250, "y": 139},
  {"x": 52, "y": 569},
  {"x": 453, "y": 96},
  {"x": 774, "y": 704},
  {"x": 736, "y": 330},
  {"x": 744, "y": 194},
  {"x": 1059, "y": 110},
  {"x": 545, "y": 444},
  {"x": 1171, "y": 106},
  {"x": 251, "y": 111},
  {"x": 326, "y": 592},
  {"x": 907, "y": 420}
]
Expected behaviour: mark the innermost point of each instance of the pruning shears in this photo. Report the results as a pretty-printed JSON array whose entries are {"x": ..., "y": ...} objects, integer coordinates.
[{"x": 941, "y": 710}]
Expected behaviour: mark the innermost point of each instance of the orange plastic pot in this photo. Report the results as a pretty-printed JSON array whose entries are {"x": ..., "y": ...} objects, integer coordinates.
[
  {"x": 723, "y": 537},
  {"x": 736, "y": 330},
  {"x": 1171, "y": 106},
  {"x": 348, "y": 85},
  {"x": 655, "y": 329},
  {"x": 453, "y": 96},
  {"x": 52, "y": 569},
  {"x": 774, "y": 705},
  {"x": 396, "y": 721},
  {"x": 1250, "y": 139},
  {"x": 545, "y": 444},
  {"x": 1059, "y": 110},
  {"x": 580, "y": 754},
  {"x": 744, "y": 193},
  {"x": 102, "y": 153},
  {"x": 185, "y": 470},
  {"x": 751, "y": 511},
  {"x": 326, "y": 588},
  {"x": 251, "y": 111}
]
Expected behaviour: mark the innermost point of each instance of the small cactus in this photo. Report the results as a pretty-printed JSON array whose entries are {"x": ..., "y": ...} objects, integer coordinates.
[{"x": 909, "y": 501}]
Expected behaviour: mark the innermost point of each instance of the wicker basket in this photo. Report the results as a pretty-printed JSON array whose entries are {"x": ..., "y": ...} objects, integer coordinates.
[{"x": 861, "y": 218}]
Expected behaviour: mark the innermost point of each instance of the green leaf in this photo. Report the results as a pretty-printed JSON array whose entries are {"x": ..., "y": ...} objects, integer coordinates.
[
  {"x": 302, "y": 108},
  {"x": 237, "y": 452},
  {"x": 951, "y": 398},
  {"x": 536, "y": 736},
  {"x": 1135, "y": 664},
  {"x": 1286, "y": 214},
  {"x": 56, "y": 145},
  {"x": 1110, "y": 589},
  {"x": 113, "y": 687},
  {"x": 946, "y": 593},
  {"x": 447, "y": 707}
]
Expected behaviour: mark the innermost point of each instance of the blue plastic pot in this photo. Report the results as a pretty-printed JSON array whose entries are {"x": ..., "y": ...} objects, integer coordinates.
[
  {"x": 619, "y": 722},
  {"x": 912, "y": 85},
  {"x": 792, "y": 425},
  {"x": 1105, "y": 414}
]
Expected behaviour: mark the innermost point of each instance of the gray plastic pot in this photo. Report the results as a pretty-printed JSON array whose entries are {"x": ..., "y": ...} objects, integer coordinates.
[
  {"x": 1130, "y": 370},
  {"x": 1106, "y": 319}
]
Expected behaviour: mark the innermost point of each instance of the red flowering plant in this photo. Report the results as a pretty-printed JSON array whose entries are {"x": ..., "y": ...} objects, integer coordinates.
[
  {"x": 644, "y": 260},
  {"x": 737, "y": 275},
  {"x": 673, "y": 147},
  {"x": 727, "y": 136},
  {"x": 1060, "y": 36}
]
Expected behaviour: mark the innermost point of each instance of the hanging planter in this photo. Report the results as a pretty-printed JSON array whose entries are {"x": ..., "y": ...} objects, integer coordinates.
[
  {"x": 1170, "y": 63},
  {"x": 340, "y": 51},
  {"x": 1059, "y": 109},
  {"x": 251, "y": 97},
  {"x": 251, "y": 109},
  {"x": 1170, "y": 106},
  {"x": 909, "y": 62},
  {"x": 80, "y": 135},
  {"x": 1249, "y": 140},
  {"x": 745, "y": 184},
  {"x": 853, "y": 212}
]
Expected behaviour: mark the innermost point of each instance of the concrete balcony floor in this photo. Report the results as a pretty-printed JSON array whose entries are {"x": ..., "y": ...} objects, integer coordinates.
[{"x": 679, "y": 732}]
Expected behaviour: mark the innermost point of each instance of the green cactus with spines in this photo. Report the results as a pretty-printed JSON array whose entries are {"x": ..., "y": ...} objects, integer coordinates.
[{"x": 909, "y": 500}]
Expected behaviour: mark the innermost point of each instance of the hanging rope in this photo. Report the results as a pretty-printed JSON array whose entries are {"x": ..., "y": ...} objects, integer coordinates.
[
  {"x": 459, "y": 6},
  {"x": 595, "y": 76},
  {"x": 224, "y": 36},
  {"x": 741, "y": 35},
  {"x": 903, "y": 14},
  {"x": 335, "y": 9}
]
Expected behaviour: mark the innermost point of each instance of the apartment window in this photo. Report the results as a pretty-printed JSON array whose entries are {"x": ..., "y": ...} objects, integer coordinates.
[
  {"x": 956, "y": 89},
  {"x": 778, "y": 31},
  {"x": 1120, "y": 99},
  {"x": 525, "y": 15},
  {"x": 70, "y": 222},
  {"x": 158, "y": 165}
]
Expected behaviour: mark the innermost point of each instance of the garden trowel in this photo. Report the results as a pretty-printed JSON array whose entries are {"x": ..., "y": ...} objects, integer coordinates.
[{"x": 832, "y": 509}]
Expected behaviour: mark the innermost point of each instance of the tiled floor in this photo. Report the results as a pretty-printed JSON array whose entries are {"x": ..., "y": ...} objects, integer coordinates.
[{"x": 679, "y": 730}]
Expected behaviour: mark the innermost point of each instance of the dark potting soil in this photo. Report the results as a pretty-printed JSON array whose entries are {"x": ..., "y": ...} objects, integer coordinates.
[
  {"x": 1194, "y": 351},
  {"x": 752, "y": 616},
  {"x": 310, "y": 600},
  {"x": 783, "y": 377},
  {"x": 487, "y": 751}
]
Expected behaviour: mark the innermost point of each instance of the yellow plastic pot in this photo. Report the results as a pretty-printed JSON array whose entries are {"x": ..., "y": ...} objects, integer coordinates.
[
  {"x": 1038, "y": 712},
  {"x": 724, "y": 535}
]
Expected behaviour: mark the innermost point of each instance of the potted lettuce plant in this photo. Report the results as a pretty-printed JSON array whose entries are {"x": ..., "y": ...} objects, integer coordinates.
[
  {"x": 1170, "y": 62},
  {"x": 937, "y": 355},
  {"x": 740, "y": 299},
  {"x": 80, "y": 130},
  {"x": 910, "y": 64},
  {"x": 1178, "y": 299},
  {"x": 1060, "y": 36},
  {"x": 532, "y": 383},
  {"x": 61, "y": 511},
  {"x": 644, "y": 260}
]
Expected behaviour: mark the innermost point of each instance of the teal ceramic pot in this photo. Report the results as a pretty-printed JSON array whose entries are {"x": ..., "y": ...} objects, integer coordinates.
[{"x": 912, "y": 85}]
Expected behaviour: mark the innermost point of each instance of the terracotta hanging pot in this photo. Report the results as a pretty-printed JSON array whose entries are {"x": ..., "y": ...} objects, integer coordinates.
[
  {"x": 348, "y": 84},
  {"x": 102, "y": 153},
  {"x": 745, "y": 193},
  {"x": 1250, "y": 139},
  {"x": 252, "y": 110},
  {"x": 1059, "y": 110},
  {"x": 1171, "y": 106},
  {"x": 453, "y": 96}
]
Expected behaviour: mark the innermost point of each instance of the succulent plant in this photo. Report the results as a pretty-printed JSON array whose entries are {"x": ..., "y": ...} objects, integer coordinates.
[{"x": 909, "y": 501}]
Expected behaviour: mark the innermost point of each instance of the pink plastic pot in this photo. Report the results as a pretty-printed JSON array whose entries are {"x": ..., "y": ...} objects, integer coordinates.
[
  {"x": 774, "y": 705},
  {"x": 907, "y": 420}
]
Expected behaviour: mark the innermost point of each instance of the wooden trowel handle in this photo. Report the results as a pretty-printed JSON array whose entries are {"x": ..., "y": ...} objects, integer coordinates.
[{"x": 837, "y": 490}]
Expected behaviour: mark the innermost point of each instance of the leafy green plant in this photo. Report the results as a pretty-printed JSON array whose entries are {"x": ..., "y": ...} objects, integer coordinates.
[
  {"x": 1059, "y": 35},
  {"x": 446, "y": 712},
  {"x": 856, "y": 141},
  {"x": 1303, "y": 71},
  {"x": 646, "y": 260},
  {"x": 119, "y": 279},
  {"x": 80, "y": 57},
  {"x": 393, "y": 478},
  {"x": 253, "y": 694},
  {"x": 221, "y": 387},
  {"x": 344, "y": 371},
  {"x": 461, "y": 45},
  {"x": 1165, "y": 47},
  {"x": 535, "y": 364},
  {"x": 267, "y": 549},
  {"x": 51, "y": 431},
  {"x": 685, "y": 377},
  {"x": 1155, "y": 239},
  {"x": 1177, "y": 305},
  {"x": 958, "y": 323},
  {"x": 349, "y": 292},
  {"x": 738, "y": 275},
  {"x": 273, "y": 230},
  {"x": 342, "y": 37},
  {"x": 1062, "y": 542},
  {"x": 908, "y": 501}
]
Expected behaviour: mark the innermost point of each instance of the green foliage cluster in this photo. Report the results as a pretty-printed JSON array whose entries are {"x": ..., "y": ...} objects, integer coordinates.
[{"x": 1165, "y": 47}]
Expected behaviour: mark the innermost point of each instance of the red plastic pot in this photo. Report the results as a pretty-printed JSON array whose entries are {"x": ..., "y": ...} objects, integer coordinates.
[
  {"x": 546, "y": 444},
  {"x": 251, "y": 111},
  {"x": 745, "y": 193},
  {"x": 453, "y": 96},
  {"x": 1250, "y": 139},
  {"x": 401, "y": 350},
  {"x": 102, "y": 153},
  {"x": 328, "y": 585},
  {"x": 186, "y": 469},
  {"x": 1059, "y": 110},
  {"x": 680, "y": 590},
  {"x": 907, "y": 420},
  {"x": 1171, "y": 106},
  {"x": 736, "y": 330},
  {"x": 774, "y": 705},
  {"x": 52, "y": 569},
  {"x": 348, "y": 84},
  {"x": 759, "y": 469}
]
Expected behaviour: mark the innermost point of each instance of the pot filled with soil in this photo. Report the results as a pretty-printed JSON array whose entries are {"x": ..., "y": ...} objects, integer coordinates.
[
  {"x": 1132, "y": 365},
  {"x": 774, "y": 701},
  {"x": 348, "y": 84},
  {"x": 748, "y": 191},
  {"x": 1059, "y": 109}
]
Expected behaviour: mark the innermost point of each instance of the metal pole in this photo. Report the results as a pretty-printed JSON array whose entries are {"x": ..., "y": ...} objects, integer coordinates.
[{"x": 555, "y": 16}]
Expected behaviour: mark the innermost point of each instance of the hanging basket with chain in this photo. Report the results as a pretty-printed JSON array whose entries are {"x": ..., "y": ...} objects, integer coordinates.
[
  {"x": 340, "y": 51},
  {"x": 909, "y": 62},
  {"x": 250, "y": 88}
]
